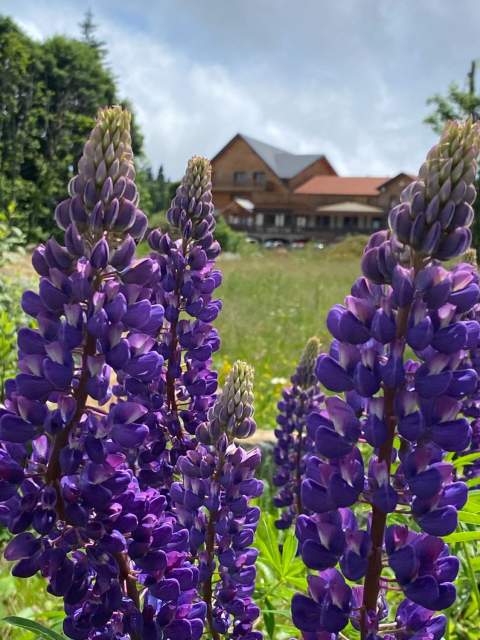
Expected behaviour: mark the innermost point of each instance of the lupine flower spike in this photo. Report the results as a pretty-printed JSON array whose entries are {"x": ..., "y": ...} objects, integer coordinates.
[
  {"x": 185, "y": 283},
  {"x": 293, "y": 442},
  {"x": 213, "y": 503},
  {"x": 405, "y": 300},
  {"x": 74, "y": 459}
]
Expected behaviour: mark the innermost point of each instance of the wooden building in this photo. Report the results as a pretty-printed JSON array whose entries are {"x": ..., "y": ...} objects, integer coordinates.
[{"x": 275, "y": 195}]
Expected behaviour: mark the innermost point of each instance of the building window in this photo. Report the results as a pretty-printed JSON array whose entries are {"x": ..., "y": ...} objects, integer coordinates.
[
  {"x": 350, "y": 222},
  {"x": 322, "y": 222},
  {"x": 234, "y": 220},
  {"x": 240, "y": 177},
  {"x": 376, "y": 223},
  {"x": 249, "y": 221},
  {"x": 259, "y": 219},
  {"x": 259, "y": 178},
  {"x": 279, "y": 219},
  {"x": 269, "y": 219},
  {"x": 301, "y": 222}
]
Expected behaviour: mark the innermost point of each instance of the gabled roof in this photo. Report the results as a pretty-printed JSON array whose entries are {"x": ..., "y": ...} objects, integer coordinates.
[
  {"x": 399, "y": 176},
  {"x": 284, "y": 164},
  {"x": 341, "y": 186}
]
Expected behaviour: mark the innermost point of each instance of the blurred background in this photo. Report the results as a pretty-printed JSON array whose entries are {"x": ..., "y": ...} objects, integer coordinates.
[{"x": 315, "y": 115}]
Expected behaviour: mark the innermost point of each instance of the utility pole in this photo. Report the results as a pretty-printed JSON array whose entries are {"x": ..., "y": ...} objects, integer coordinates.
[{"x": 471, "y": 89}]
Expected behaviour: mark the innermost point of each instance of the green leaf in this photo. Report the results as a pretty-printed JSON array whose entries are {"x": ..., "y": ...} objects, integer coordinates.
[
  {"x": 463, "y": 460},
  {"x": 289, "y": 552},
  {"x": 469, "y": 517},
  {"x": 463, "y": 536},
  {"x": 34, "y": 627},
  {"x": 269, "y": 619},
  {"x": 266, "y": 542},
  {"x": 300, "y": 584},
  {"x": 473, "y": 502}
]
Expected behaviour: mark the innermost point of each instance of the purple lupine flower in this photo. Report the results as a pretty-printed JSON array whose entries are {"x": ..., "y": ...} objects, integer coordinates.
[
  {"x": 293, "y": 443},
  {"x": 328, "y": 606},
  {"x": 413, "y": 621},
  {"x": 213, "y": 503},
  {"x": 422, "y": 567},
  {"x": 183, "y": 285},
  {"x": 69, "y": 461},
  {"x": 405, "y": 299}
]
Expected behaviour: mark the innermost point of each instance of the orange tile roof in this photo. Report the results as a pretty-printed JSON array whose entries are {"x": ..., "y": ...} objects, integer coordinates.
[{"x": 341, "y": 186}]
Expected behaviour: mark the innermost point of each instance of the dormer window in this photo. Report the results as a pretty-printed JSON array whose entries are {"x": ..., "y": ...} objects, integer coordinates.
[{"x": 240, "y": 177}]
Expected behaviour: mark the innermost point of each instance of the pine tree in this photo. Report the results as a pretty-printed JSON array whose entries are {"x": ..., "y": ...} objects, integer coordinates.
[{"x": 88, "y": 29}]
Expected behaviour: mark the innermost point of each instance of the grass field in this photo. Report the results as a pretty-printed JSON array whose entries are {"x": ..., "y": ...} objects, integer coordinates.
[{"x": 273, "y": 302}]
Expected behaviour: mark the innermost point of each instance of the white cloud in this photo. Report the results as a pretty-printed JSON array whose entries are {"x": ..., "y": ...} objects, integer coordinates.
[{"x": 347, "y": 80}]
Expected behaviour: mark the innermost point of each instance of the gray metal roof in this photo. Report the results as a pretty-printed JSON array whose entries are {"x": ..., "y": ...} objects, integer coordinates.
[{"x": 285, "y": 164}]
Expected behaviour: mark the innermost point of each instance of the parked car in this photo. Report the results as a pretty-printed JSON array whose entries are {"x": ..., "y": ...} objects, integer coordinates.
[{"x": 273, "y": 244}]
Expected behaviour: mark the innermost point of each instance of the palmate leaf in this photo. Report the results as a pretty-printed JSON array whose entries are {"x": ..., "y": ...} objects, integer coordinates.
[
  {"x": 266, "y": 542},
  {"x": 34, "y": 627}
]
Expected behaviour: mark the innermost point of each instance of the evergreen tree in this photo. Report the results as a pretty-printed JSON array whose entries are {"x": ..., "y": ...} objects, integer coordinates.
[
  {"x": 88, "y": 29},
  {"x": 76, "y": 85},
  {"x": 161, "y": 201},
  {"x": 22, "y": 113},
  {"x": 50, "y": 93}
]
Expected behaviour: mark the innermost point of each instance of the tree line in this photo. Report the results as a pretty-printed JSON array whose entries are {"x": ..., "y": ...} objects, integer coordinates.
[{"x": 50, "y": 92}]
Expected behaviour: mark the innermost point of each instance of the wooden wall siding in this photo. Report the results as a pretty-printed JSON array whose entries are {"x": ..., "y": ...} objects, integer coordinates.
[
  {"x": 320, "y": 167},
  {"x": 239, "y": 156}
]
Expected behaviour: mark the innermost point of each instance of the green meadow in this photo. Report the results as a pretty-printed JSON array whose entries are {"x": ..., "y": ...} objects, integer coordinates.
[{"x": 273, "y": 302}]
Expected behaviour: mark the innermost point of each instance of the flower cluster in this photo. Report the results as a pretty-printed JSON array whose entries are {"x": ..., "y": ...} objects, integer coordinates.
[
  {"x": 183, "y": 284},
  {"x": 406, "y": 302},
  {"x": 292, "y": 440},
  {"x": 113, "y": 384},
  {"x": 213, "y": 503}
]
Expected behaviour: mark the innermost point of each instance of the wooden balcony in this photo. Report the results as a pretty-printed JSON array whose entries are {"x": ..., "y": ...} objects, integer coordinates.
[
  {"x": 291, "y": 231},
  {"x": 243, "y": 186}
]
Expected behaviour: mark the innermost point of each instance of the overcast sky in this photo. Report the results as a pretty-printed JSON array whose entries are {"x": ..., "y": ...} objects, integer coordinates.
[{"x": 348, "y": 78}]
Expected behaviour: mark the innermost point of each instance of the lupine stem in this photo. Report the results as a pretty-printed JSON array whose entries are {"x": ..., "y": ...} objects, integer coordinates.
[
  {"x": 171, "y": 392},
  {"x": 298, "y": 478},
  {"x": 207, "y": 587},
  {"x": 61, "y": 439},
  {"x": 210, "y": 549},
  {"x": 379, "y": 518},
  {"x": 129, "y": 583}
]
